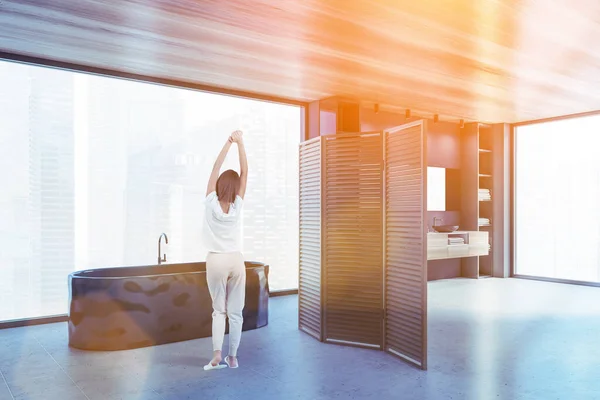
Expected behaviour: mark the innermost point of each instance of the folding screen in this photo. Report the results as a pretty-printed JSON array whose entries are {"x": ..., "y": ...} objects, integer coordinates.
[
  {"x": 363, "y": 269},
  {"x": 353, "y": 251},
  {"x": 309, "y": 284},
  {"x": 406, "y": 243}
]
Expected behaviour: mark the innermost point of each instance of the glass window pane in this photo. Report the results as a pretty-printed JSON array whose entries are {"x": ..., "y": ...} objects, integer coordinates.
[
  {"x": 557, "y": 198},
  {"x": 93, "y": 169}
]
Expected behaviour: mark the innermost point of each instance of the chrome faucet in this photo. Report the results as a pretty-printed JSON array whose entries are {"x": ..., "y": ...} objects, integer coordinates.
[
  {"x": 164, "y": 258},
  {"x": 437, "y": 219}
]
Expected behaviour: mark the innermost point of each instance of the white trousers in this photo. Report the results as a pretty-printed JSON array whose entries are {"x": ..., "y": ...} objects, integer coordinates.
[{"x": 226, "y": 278}]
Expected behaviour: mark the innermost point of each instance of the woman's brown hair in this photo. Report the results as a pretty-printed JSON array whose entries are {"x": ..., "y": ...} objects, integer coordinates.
[{"x": 228, "y": 186}]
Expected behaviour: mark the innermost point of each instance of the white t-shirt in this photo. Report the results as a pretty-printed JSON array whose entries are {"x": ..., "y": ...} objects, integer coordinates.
[{"x": 222, "y": 231}]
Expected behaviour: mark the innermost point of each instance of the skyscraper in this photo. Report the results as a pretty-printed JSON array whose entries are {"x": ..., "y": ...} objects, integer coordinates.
[
  {"x": 270, "y": 229},
  {"x": 15, "y": 286},
  {"x": 131, "y": 130},
  {"x": 51, "y": 186}
]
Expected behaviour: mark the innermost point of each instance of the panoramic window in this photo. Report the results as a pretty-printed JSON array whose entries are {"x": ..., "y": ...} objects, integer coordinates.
[
  {"x": 557, "y": 199},
  {"x": 94, "y": 169}
]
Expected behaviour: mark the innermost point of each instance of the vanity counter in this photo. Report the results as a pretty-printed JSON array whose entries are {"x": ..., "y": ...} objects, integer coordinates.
[{"x": 475, "y": 244}]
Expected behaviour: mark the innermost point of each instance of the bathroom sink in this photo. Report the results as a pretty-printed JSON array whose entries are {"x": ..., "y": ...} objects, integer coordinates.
[{"x": 445, "y": 228}]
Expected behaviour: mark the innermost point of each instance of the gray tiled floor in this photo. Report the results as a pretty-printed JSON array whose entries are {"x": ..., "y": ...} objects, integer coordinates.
[{"x": 541, "y": 343}]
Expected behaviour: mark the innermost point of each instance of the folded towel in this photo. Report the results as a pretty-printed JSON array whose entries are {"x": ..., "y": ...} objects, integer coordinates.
[{"x": 455, "y": 241}]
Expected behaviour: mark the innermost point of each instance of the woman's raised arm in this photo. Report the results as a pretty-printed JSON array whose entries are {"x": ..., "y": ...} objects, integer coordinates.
[
  {"x": 214, "y": 175},
  {"x": 237, "y": 138}
]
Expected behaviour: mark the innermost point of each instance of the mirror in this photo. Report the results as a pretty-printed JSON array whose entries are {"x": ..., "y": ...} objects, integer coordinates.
[{"x": 436, "y": 189}]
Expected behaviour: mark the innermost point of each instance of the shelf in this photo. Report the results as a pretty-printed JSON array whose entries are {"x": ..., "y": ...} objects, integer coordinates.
[{"x": 479, "y": 155}]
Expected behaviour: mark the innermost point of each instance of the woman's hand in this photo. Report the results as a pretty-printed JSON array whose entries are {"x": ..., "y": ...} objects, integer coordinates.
[{"x": 236, "y": 137}]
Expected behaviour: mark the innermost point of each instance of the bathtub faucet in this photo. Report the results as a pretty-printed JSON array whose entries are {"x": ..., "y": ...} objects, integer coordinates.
[{"x": 164, "y": 258}]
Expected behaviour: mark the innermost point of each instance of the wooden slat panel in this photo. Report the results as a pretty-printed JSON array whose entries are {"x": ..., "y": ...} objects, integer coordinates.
[
  {"x": 477, "y": 60},
  {"x": 309, "y": 282},
  {"x": 353, "y": 239},
  {"x": 405, "y": 244}
]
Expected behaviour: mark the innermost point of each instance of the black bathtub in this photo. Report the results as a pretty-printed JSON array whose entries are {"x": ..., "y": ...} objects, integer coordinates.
[{"x": 131, "y": 307}]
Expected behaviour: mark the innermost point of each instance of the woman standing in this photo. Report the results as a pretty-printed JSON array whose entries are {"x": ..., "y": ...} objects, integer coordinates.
[{"x": 225, "y": 269}]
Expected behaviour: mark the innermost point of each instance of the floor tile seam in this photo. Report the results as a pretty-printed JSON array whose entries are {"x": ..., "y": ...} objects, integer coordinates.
[
  {"x": 156, "y": 393},
  {"x": 264, "y": 375},
  {"x": 120, "y": 364},
  {"x": 62, "y": 369},
  {"x": 7, "y": 386}
]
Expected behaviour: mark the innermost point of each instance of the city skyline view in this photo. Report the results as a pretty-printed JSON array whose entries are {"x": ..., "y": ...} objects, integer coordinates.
[
  {"x": 97, "y": 168},
  {"x": 557, "y": 228}
]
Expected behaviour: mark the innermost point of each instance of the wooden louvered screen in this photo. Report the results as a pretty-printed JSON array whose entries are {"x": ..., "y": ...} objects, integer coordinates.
[
  {"x": 353, "y": 233},
  {"x": 310, "y": 277},
  {"x": 406, "y": 243}
]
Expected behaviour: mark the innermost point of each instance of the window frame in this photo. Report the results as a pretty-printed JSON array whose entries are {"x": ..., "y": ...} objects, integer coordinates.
[
  {"x": 513, "y": 203},
  {"x": 111, "y": 73}
]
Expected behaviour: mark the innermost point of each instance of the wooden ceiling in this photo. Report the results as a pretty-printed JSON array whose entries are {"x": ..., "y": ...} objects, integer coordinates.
[{"x": 486, "y": 60}]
